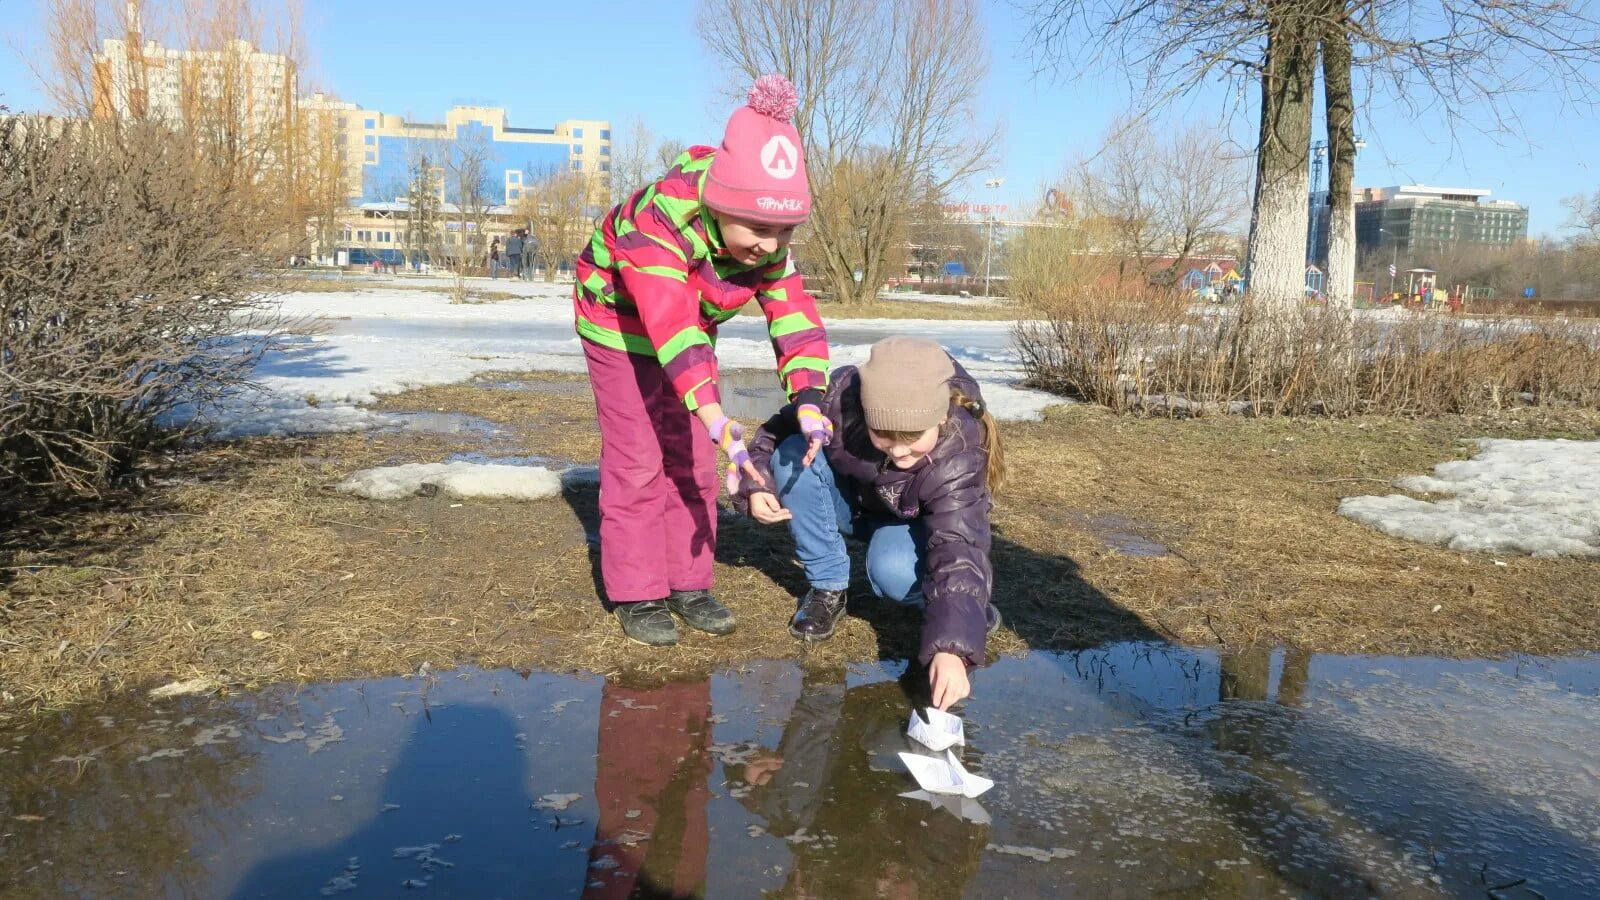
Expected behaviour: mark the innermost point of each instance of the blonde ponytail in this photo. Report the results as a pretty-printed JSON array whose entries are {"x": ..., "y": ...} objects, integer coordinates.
[{"x": 995, "y": 474}]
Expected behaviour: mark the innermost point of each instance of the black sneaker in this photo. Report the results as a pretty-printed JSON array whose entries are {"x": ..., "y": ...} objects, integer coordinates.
[
  {"x": 648, "y": 622},
  {"x": 817, "y": 615},
  {"x": 991, "y": 617},
  {"x": 701, "y": 610}
]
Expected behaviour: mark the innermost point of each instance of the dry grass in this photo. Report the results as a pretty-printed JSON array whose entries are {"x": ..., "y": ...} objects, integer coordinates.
[
  {"x": 1249, "y": 505},
  {"x": 249, "y": 538},
  {"x": 355, "y": 283},
  {"x": 1142, "y": 350}
]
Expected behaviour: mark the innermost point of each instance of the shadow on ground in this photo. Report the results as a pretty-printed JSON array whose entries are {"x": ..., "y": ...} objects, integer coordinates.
[{"x": 1042, "y": 597}]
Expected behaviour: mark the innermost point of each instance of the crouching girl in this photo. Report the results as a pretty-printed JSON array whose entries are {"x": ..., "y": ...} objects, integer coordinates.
[{"x": 910, "y": 472}]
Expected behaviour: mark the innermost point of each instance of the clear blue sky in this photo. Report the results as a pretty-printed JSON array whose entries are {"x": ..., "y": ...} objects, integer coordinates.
[{"x": 616, "y": 60}]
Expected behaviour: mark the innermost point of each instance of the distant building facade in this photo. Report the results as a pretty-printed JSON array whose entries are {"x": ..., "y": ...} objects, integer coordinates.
[
  {"x": 384, "y": 154},
  {"x": 139, "y": 79},
  {"x": 383, "y": 150},
  {"x": 1417, "y": 219},
  {"x": 377, "y": 156}
]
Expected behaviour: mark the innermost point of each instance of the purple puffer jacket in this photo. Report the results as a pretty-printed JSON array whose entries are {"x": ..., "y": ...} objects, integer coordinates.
[{"x": 947, "y": 490}]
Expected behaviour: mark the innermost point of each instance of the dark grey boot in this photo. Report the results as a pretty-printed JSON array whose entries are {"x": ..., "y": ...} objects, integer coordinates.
[
  {"x": 648, "y": 622},
  {"x": 818, "y": 614},
  {"x": 702, "y": 611}
]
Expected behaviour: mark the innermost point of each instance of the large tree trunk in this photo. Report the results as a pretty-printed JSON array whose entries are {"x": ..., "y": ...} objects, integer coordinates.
[
  {"x": 1277, "y": 253},
  {"x": 1340, "y": 103}
]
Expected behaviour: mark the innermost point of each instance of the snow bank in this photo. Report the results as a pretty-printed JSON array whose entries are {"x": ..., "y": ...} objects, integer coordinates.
[
  {"x": 1539, "y": 497},
  {"x": 461, "y": 480}
]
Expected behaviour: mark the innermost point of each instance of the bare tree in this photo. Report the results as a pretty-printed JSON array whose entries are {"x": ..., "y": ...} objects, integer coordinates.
[
  {"x": 1340, "y": 121},
  {"x": 1156, "y": 197},
  {"x": 1453, "y": 56},
  {"x": 224, "y": 77},
  {"x": 667, "y": 152},
  {"x": 632, "y": 163},
  {"x": 1279, "y": 214},
  {"x": 888, "y": 99},
  {"x": 1585, "y": 216},
  {"x": 323, "y": 176},
  {"x": 555, "y": 205},
  {"x": 1118, "y": 187},
  {"x": 467, "y": 180}
]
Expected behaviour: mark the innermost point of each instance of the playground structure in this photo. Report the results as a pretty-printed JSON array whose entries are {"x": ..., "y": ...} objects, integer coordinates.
[{"x": 1213, "y": 284}]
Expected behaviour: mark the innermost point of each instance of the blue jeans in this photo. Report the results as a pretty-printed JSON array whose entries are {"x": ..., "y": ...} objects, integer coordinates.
[{"x": 824, "y": 515}]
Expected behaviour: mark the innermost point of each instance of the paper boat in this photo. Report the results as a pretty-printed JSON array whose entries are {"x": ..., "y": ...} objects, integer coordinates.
[
  {"x": 961, "y": 807},
  {"x": 941, "y": 732},
  {"x": 944, "y": 775}
]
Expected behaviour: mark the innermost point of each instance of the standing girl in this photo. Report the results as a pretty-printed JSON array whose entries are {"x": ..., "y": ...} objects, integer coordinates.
[
  {"x": 662, "y": 271},
  {"x": 912, "y": 474}
]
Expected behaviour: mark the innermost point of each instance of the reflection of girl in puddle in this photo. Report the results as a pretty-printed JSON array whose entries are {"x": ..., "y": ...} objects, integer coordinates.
[
  {"x": 831, "y": 790},
  {"x": 650, "y": 785}
]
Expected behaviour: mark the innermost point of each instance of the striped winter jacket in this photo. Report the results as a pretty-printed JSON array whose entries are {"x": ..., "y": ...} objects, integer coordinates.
[{"x": 656, "y": 280}]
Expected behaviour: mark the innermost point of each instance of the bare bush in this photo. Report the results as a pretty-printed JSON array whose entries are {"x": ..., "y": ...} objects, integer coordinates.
[
  {"x": 125, "y": 295},
  {"x": 1145, "y": 350}
]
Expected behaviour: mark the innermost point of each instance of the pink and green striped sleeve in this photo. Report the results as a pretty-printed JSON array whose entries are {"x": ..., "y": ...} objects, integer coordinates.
[
  {"x": 798, "y": 339},
  {"x": 652, "y": 257}
]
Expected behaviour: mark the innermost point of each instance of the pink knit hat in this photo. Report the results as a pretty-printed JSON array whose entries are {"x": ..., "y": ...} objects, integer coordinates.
[{"x": 759, "y": 172}]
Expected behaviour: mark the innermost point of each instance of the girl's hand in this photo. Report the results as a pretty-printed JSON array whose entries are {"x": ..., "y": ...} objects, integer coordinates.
[
  {"x": 947, "y": 675},
  {"x": 728, "y": 435},
  {"x": 765, "y": 508},
  {"x": 816, "y": 427},
  {"x": 759, "y": 770}
]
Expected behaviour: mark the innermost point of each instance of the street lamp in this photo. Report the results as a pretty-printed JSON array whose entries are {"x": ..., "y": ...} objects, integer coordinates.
[
  {"x": 988, "y": 246},
  {"x": 1394, "y": 262}
]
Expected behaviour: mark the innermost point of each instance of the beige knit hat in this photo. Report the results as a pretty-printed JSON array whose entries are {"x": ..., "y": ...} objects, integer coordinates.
[{"x": 905, "y": 384}]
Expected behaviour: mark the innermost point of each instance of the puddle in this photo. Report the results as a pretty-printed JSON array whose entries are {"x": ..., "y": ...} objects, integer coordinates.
[
  {"x": 538, "y": 385},
  {"x": 751, "y": 396},
  {"x": 1122, "y": 534},
  {"x": 442, "y": 423},
  {"x": 1130, "y": 770}
]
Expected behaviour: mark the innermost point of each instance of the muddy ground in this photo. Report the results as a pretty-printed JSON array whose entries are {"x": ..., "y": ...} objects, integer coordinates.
[{"x": 240, "y": 564}]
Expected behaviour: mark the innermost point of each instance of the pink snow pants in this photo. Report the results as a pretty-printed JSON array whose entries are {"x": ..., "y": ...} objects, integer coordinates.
[{"x": 658, "y": 481}]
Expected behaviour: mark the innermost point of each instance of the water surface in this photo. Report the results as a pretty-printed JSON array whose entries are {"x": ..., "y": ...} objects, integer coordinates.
[{"x": 1130, "y": 770}]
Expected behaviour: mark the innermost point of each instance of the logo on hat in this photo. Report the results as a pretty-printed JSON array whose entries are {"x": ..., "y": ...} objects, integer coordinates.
[
  {"x": 778, "y": 157},
  {"x": 779, "y": 204}
]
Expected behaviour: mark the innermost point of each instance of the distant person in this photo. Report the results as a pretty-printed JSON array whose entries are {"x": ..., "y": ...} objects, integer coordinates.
[
  {"x": 661, "y": 273},
  {"x": 530, "y": 253},
  {"x": 913, "y": 477},
  {"x": 514, "y": 253},
  {"x": 494, "y": 258}
]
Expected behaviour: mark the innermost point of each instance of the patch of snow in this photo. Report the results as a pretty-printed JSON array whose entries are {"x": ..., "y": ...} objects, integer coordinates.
[
  {"x": 1538, "y": 496},
  {"x": 950, "y": 299},
  {"x": 368, "y": 343},
  {"x": 462, "y": 480},
  {"x": 186, "y": 688}
]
